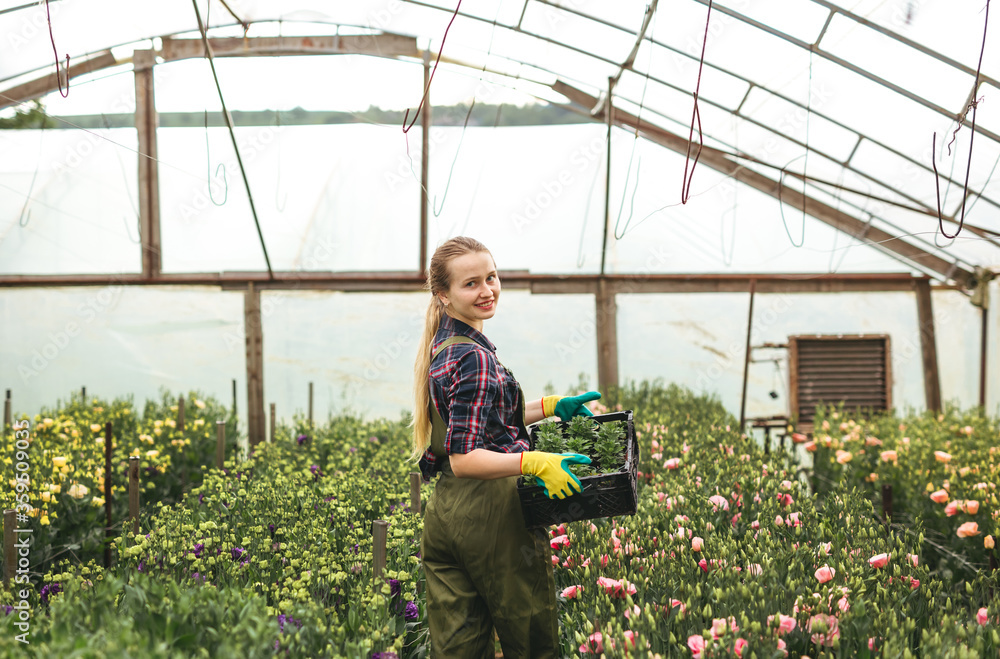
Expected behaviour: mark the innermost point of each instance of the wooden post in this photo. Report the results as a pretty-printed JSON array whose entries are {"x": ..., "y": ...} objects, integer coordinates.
[
  {"x": 746, "y": 360},
  {"x": 310, "y": 404},
  {"x": 606, "y": 313},
  {"x": 234, "y": 396},
  {"x": 133, "y": 493},
  {"x": 425, "y": 155},
  {"x": 83, "y": 395},
  {"x": 983, "y": 353},
  {"x": 220, "y": 443},
  {"x": 928, "y": 345},
  {"x": 146, "y": 122},
  {"x": 887, "y": 503},
  {"x": 180, "y": 413},
  {"x": 6, "y": 411},
  {"x": 380, "y": 530},
  {"x": 415, "y": 492},
  {"x": 271, "y": 437},
  {"x": 9, "y": 557},
  {"x": 255, "y": 366},
  {"x": 108, "y": 477}
]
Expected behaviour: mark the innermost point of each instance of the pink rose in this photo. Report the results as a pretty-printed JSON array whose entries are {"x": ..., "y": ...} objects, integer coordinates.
[
  {"x": 703, "y": 564},
  {"x": 718, "y": 502},
  {"x": 782, "y": 646},
  {"x": 941, "y": 456},
  {"x": 672, "y": 463},
  {"x": 939, "y": 496},
  {"x": 739, "y": 647},
  {"x": 755, "y": 569},
  {"x": 778, "y": 521},
  {"x": 971, "y": 507},
  {"x": 697, "y": 544},
  {"x": 559, "y": 542},
  {"x": 888, "y": 456},
  {"x": 952, "y": 508},
  {"x": 981, "y": 616},
  {"x": 810, "y": 446},
  {"x": 696, "y": 643},
  {"x": 785, "y": 623},
  {"x": 799, "y": 438},
  {"x": 878, "y": 560},
  {"x": 843, "y": 457},
  {"x": 913, "y": 558},
  {"x": 793, "y": 519},
  {"x": 824, "y": 629},
  {"x": 988, "y": 542},
  {"x": 968, "y": 530},
  {"x": 629, "y": 637},
  {"x": 675, "y": 604},
  {"x": 595, "y": 644},
  {"x": 825, "y": 548},
  {"x": 634, "y": 612},
  {"x": 572, "y": 592},
  {"x": 825, "y": 573},
  {"x": 719, "y": 626}
]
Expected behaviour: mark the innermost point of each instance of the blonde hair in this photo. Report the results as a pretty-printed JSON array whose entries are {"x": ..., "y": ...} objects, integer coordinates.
[{"x": 438, "y": 281}]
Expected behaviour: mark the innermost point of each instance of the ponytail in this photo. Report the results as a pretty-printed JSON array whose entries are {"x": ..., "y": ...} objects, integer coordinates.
[{"x": 421, "y": 380}]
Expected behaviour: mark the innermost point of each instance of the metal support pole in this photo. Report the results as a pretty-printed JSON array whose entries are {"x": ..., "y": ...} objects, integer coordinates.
[
  {"x": 928, "y": 345},
  {"x": 146, "y": 121},
  {"x": 271, "y": 436},
  {"x": 310, "y": 404},
  {"x": 425, "y": 149},
  {"x": 83, "y": 395},
  {"x": 380, "y": 531},
  {"x": 220, "y": 444},
  {"x": 746, "y": 361},
  {"x": 133, "y": 493},
  {"x": 108, "y": 478},
  {"x": 983, "y": 353},
  {"x": 415, "y": 492},
  {"x": 255, "y": 365},
  {"x": 609, "y": 111},
  {"x": 6, "y": 411}
]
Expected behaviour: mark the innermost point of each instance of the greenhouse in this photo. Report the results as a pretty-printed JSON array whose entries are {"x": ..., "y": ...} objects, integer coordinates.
[{"x": 766, "y": 232}]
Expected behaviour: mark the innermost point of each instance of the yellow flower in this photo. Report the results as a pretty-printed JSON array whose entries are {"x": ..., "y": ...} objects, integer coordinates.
[
  {"x": 78, "y": 491},
  {"x": 200, "y": 404},
  {"x": 55, "y": 489},
  {"x": 152, "y": 454},
  {"x": 171, "y": 423},
  {"x": 157, "y": 423},
  {"x": 97, "y": 501},
  {"x": 46, "y": 496},
  {"x": 44, "y": 521},
  {"x": 47, "y": 422},
  {"x": 59, "y": 462},
  {"x": 145, "y": 438},
  {"x": 95, "y": 427}
]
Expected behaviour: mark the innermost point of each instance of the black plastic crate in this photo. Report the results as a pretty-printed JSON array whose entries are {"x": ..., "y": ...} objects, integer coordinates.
[{"x": 604, "y": 495}]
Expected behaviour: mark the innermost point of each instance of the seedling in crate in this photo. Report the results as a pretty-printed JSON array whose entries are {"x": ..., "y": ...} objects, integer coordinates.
[
  {"x": 549, "y": 438},
  {"x": 609, "y": 448}
]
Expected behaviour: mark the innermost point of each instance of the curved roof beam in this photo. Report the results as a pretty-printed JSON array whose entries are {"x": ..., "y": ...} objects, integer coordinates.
[{"x": 720, "y": 161}]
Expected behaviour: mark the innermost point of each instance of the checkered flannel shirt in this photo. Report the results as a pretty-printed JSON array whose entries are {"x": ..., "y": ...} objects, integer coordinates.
[{"x": 475, "y": 395}]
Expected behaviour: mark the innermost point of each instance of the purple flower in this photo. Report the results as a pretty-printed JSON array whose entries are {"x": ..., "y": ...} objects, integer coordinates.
[
  {"x": 352, "y": 449},
  {"x": 282, "y": 619},
  {"x": 142, "y": 565},
  {"x": 384, "y": 655},
  {"x": 48, "y": 590},
  {"x": 315, "y": 471},
  {"x": 373, "y": 440},
  {"x": 270, "y": 528},
  {"x": 240, "y": 554},
  {"x": 198, "y": 548},
  {"x": 394, "y": 587},
  {"x": 201, "y": 499},
  {"x": 412, "y": 612},
  {"x": 302, "y": 439},
  {"x": 7, "y": 609}
]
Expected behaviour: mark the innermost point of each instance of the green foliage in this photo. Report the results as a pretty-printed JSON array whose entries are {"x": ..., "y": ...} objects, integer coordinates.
[
  {"x": 28, "y": 115},
  {"x": 609, "y": 448}
]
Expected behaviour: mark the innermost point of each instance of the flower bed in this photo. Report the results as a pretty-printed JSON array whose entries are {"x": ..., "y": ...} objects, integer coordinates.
[
  {"x": 728, "y": 555},
  {"x": 943, "y": 469}
]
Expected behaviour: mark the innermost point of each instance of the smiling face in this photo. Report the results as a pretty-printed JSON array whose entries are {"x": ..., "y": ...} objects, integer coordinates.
[{"x": 474, "y": 291}]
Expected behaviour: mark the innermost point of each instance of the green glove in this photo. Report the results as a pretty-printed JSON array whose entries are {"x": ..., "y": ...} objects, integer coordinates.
[
  {"x": 552, "y": 473},
  {"x": 569, "y": 406}
]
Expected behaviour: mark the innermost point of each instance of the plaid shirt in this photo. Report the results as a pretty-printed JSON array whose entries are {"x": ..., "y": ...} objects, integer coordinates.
[{"x": 475, "y": 394}]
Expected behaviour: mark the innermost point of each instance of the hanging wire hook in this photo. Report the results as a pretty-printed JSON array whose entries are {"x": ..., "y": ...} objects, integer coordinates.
[
  {"x": 48, "y": 17},
  {"x": 635, "y": 139},
  {"x": 973, "y": 104},
  {"x": 695, "y": 116},
  {"x": 781, "y": 204},
  {"x": 447, "y": 185},
  {"x": 25, "y": 216},
  {"x": 208, "y": 168},
  {"x": 430, "y": 79}
]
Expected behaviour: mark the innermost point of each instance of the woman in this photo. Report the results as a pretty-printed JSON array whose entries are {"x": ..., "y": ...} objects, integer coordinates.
[{"x": 484, "y": 569}]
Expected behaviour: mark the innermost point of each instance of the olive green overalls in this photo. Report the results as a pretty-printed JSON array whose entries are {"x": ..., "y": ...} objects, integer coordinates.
[{"x": 484, "y": 569}]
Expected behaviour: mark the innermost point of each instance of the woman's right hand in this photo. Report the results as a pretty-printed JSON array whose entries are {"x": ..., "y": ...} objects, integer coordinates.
[{"x": 552, "y": 470}]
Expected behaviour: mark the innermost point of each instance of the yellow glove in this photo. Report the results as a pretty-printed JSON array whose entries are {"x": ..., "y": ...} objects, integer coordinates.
[{"x": 551, "y": 470}]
